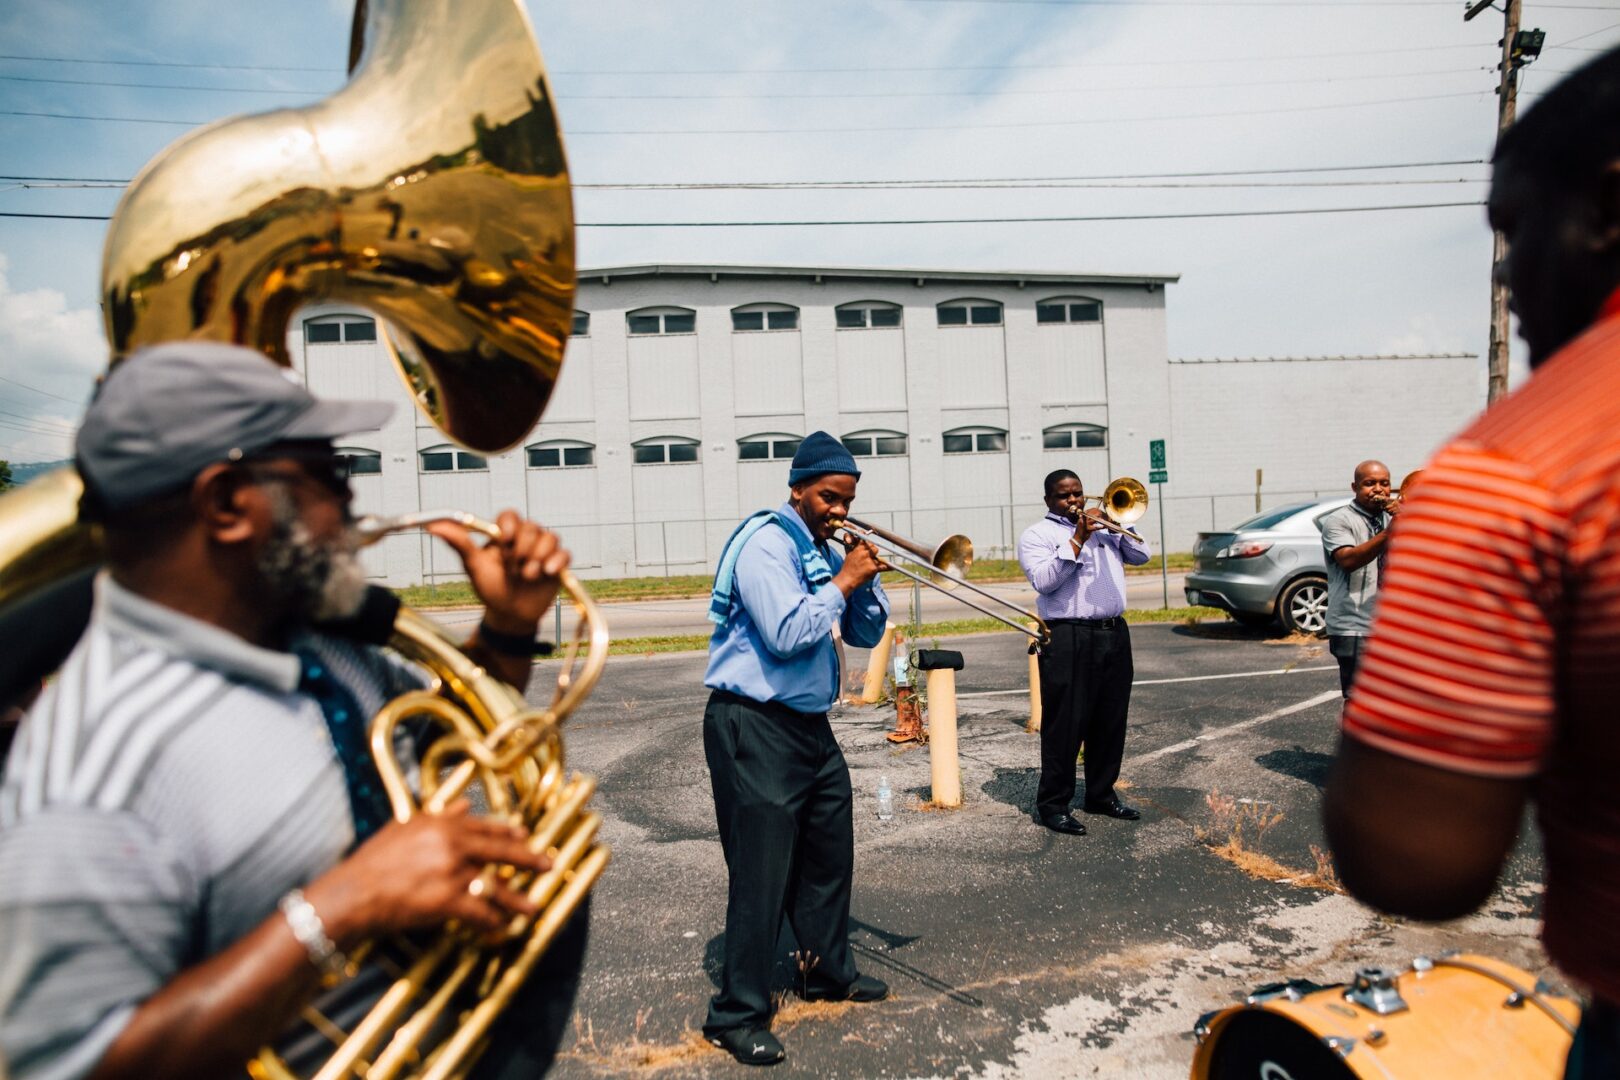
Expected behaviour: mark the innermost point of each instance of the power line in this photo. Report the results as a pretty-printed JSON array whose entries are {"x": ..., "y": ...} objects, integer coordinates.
[
  {"x": 155, "y": 86},
  {"x": 37, "y": 390},
  {"x": 931, "y": 221},
  {"x": 1052, "y": 92},
  {"x": 877, "y": 128},
  {"x": 160, "y": 63},
  {"x": 42, "y": 421},
  {"x": 961, "y": 180},
  {"x": 1251, "y": 3},
  {"x": 948, "y": 185},
  {"x": 1247, "y": 59}
]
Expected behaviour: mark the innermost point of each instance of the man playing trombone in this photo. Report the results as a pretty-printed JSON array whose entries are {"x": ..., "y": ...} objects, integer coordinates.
[
  {"x": 1075, "y": 560},
  {"x": 781, "y": 787}
]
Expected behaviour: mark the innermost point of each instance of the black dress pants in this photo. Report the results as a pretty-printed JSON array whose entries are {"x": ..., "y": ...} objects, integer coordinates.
[
  {"x": 1086, "y": 674},
  {"x": 782, "y": 801}
]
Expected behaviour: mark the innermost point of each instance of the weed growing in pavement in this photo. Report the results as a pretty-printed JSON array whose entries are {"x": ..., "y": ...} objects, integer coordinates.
[
  {"x": 636, "y": 1053},
  {"x": 1237, "y": 827}
]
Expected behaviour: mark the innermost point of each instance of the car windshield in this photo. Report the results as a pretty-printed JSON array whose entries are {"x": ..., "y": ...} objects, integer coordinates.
[{"x": 1271, "y": 518}]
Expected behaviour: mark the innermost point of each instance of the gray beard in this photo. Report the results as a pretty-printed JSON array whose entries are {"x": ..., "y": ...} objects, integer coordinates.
[{"x": 305, "y": 577}]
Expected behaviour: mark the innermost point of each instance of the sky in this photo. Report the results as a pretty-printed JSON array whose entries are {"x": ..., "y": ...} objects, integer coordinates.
[{"x": 1102, "y": 100}]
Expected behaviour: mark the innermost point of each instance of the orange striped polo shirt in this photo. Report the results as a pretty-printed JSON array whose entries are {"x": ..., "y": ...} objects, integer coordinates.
[{"x": 1496, "y": 647}]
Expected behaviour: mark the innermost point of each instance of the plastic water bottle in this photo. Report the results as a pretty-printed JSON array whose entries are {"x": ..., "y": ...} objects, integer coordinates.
[{"x": 885, "y": 798}]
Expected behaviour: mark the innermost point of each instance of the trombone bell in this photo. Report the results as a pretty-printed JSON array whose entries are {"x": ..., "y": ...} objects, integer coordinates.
[{"x": 1125, "y": 500}]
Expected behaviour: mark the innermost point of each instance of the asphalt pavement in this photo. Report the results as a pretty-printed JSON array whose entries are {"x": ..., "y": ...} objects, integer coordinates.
[{"x": 1012, "y": 951}]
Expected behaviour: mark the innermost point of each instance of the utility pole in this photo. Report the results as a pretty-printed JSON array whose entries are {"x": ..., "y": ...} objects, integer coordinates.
[{"x": 1518, "y": 49}]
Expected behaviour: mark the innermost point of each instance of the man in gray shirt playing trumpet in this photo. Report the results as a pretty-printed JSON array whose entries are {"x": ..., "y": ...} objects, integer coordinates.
[{"x": 1354, "y": 541}]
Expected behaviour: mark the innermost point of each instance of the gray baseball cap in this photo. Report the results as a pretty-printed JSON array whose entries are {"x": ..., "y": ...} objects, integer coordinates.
[{"x": 168, "y": 411}]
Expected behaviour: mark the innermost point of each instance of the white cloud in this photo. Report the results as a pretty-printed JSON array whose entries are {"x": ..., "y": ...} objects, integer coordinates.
[{"x": 50, "y": 355}]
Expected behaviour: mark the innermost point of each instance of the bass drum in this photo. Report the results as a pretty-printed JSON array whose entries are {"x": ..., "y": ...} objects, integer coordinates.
[{"x": 1455, "y": 1016}]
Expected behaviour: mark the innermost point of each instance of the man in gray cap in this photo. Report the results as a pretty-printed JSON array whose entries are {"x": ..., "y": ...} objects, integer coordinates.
[
  {"x": 192, "y": 831},
  {"x": 781, "y": 786}
]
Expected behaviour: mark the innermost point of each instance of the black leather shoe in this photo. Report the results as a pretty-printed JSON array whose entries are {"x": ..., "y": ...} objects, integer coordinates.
[
  {"x": 1064, "y": 823},
  {"x": 864, "y": 988},
  {"x": 1115, "y": 809},
  {"x": 751, "y": 1046}
]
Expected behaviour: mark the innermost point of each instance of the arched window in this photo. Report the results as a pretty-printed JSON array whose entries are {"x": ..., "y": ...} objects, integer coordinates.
[
  {"x": 764, "y": 317},
  {"x": 768, "y": 444},
  {"x": 1068, "y": 309},
  {"x": 875, "y": 443},
  {"x": 969, "y": 313},
  {"x": 330, "y": 329},
  {"x": 582, "y": 324},
  {"x": 974, "y": 440},
  {"x": 447, "y": 458},
  {"x": 360, "y": 462},
  {"x": 662, "y": 320},
  {"x": 670, "y": 449},
  {"x": 867, "y": 314},
  {"x": 1074, "y": 437},
  {"x": 560, "y": 454}
]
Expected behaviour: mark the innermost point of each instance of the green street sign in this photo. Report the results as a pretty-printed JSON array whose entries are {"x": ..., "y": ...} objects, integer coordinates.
[
  {"x": 1156, "y": 454},
  {"x": 1159, "y": 476}
]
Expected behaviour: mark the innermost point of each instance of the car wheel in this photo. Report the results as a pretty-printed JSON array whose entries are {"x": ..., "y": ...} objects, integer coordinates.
[{"x": 1302, "y": 607}]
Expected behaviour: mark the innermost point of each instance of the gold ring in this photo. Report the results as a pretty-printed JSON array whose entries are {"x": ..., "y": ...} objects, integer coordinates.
[{"x": 477, "y": 887}]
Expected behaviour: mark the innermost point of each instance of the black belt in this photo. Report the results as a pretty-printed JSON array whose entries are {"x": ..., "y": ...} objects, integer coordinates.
[
  {"x": 1101, "y": 624},
  {"x": 769, "y": 708}
]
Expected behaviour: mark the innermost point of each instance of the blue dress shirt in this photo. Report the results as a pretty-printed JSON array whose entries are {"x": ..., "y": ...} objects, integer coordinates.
[
  {"x": 1090, "y": 585},
  {"x": 777, "y": 644}
]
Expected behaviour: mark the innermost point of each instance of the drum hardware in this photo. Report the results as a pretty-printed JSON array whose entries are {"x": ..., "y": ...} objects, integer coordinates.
[
  {"x": 1340, "y": 1044},
  {"x": 1374, "y": 988}
]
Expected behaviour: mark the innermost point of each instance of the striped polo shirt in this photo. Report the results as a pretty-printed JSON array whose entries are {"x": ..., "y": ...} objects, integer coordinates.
[
  {"x": 167, "y": 789},
  {"x": 1496, "y": 647}
]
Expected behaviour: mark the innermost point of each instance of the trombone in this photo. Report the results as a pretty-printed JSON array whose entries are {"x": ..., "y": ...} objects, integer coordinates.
[
  {"x": 946, "y": 570},
  {"x": 1123, "y": 501}
]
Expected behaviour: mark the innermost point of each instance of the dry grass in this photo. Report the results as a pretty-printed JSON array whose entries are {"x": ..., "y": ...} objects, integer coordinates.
[
  {"x": 792, "y": 1012},
  {"x": 1237, "y": 827},
  {"x": 637, "y": 1055}
]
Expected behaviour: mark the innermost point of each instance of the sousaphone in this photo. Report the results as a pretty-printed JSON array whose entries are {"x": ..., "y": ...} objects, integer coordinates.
[{"x": 431, "y": 190}]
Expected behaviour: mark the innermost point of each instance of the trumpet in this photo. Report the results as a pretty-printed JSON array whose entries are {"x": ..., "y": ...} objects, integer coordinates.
[
  {"x": 1123, "y": 501},
  {"x": 1400, "y": 494},
  {"x": 945, "y": 569}
]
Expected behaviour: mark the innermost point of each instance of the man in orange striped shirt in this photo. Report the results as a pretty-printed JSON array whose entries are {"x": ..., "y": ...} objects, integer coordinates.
[{"x": 1493, "y": 672}]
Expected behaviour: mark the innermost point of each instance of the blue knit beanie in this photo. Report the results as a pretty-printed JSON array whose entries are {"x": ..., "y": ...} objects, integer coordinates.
[{"x": 819, "y": 455}]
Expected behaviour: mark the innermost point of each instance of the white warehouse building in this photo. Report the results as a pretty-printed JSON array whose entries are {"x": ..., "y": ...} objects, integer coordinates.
[{"x": 686, "y": 388}]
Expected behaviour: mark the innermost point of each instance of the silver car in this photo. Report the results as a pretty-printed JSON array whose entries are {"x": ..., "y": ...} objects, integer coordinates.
[{"x": 1268, "y": 567}]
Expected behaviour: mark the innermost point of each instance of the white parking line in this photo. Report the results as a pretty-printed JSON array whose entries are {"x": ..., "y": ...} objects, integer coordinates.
[
  {"x": 1229, "y": 729},
  {"x": 1182, "y": 679}
]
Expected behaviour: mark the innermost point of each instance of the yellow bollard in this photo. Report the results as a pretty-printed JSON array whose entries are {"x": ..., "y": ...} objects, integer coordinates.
[
  {"x": 1034, "y": 690},
  {"x": 942, "y": 759},
  {"x": 877, "y": 666}
]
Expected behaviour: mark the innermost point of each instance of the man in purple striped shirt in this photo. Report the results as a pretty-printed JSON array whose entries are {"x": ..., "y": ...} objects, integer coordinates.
[{"x": 1077, "y": 567}]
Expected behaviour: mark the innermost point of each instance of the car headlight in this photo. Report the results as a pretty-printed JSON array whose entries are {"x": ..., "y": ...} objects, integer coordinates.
[{"x": 1246, "y": 549}]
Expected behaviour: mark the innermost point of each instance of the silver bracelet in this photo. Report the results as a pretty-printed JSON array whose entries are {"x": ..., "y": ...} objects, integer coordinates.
[{"x": 305, "y": 923}]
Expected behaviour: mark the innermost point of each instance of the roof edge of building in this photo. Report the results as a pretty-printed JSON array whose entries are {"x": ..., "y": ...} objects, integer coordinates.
[
  {"x": 1318, "y": 359},
  {"x": 918, "y": 275}
]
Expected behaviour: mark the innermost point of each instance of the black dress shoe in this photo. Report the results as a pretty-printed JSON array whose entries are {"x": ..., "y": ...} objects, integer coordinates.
[
  {"x": 864, "y": 988},
  {"x": 1064, "y": 823},
  {"x": 751, "y": 1046},
  {"x": 1115, "y": 809}
]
